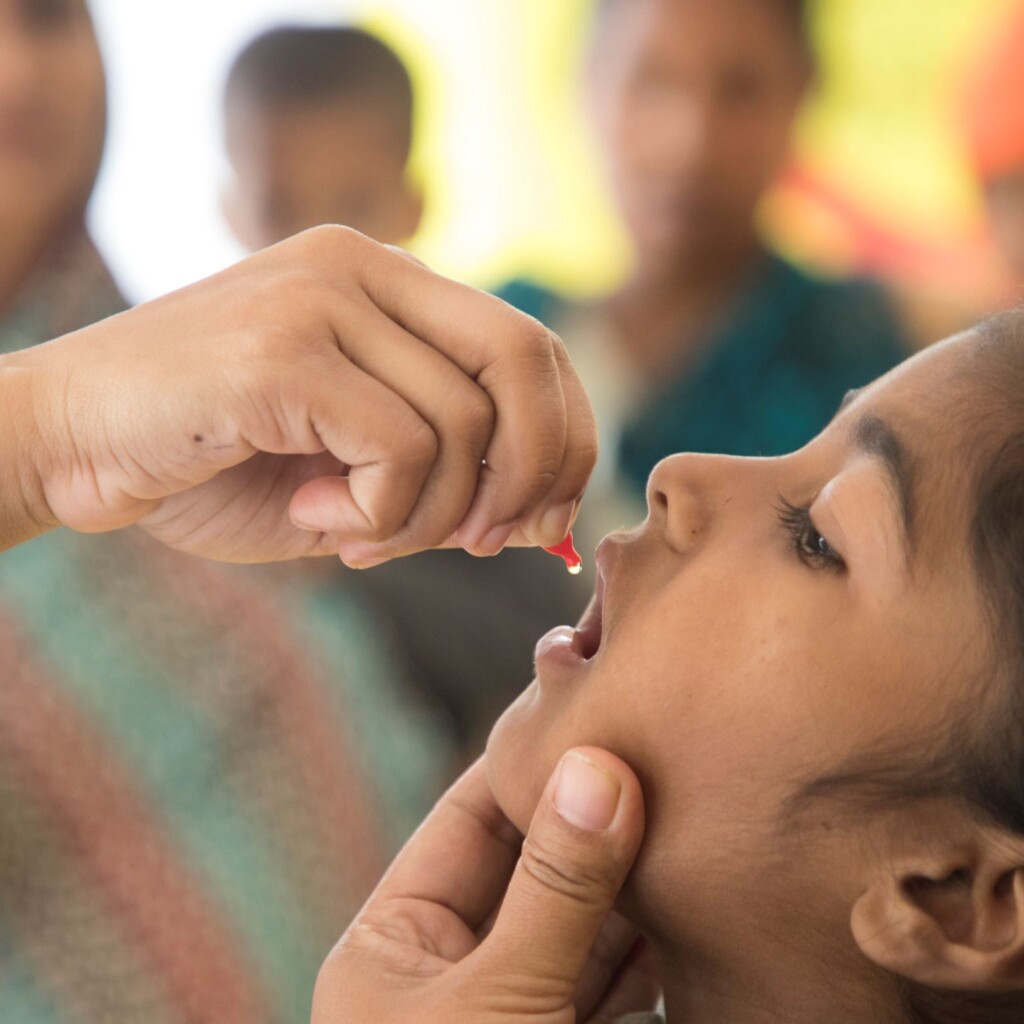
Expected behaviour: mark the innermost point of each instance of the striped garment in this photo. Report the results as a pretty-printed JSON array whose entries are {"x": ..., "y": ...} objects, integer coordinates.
[{"x": 203, "y": 769}]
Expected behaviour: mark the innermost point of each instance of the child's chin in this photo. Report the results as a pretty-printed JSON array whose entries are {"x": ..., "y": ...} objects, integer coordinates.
[{"x": 511, "y": 771}]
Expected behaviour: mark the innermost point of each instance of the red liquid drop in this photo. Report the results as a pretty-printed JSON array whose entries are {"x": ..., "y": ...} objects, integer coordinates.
[{"x": 568, "y": 553}]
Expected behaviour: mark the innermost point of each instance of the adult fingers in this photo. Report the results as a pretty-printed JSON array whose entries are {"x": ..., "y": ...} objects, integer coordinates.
[
  {"x": 388, "y": 447},
  {"x": 526, "y": 452},
  {"x": 580, "y": 454},
  {"x": 460, "y": 858},
  {"x": 459, "y": 411},
  {"x": 515, "y": 360},
  {"x": 583, "y": 839},
  {"x": 635, "y": 989},
  {"x": 608, "y": 956}
]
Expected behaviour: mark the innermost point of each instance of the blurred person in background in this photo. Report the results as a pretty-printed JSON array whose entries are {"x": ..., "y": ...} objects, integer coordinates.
[
  {"x": 714, "y": 343},
  {"x": 318, "y": 129},
  {"x": 200, "y": 780},
  {"x": 52, "y": 125},
  {"x": 994, "y": 123}
]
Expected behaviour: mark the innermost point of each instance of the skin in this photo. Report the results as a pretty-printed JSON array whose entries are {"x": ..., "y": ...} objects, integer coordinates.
[
  {"x": 731, "y": 670},
  {"x": 693, "y": 104},
  {"x": 327, "y": 395},
  {"x": 333, "y": 162},
  {"x": 474, "y": 926},
  {"x": 52, "y": 122}
]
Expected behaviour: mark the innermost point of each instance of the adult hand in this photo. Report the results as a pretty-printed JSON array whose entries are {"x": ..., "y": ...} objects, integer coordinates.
[
  {"x": 327, "y": 395},
  {"x": 447, "y": 938}
]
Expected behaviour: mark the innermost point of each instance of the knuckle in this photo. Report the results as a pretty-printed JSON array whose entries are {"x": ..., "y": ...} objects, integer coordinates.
[
  {"x": 332, "y": 237},
  {"x": 420, "y": 444},
  {"x": 533, "y": 341},
  {"x": 544, "y": 469},
  {"x": 554, "y": 867},
  {"x": 474, "y": 416},
  {"x": 267, "y": 348},
  {"x": 524, "y": 990},
  {"x": 325, "y": 250}
]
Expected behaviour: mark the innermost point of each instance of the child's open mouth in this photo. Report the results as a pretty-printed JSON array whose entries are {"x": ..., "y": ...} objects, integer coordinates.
[
  {"x": 586, "y": 639},
  {"x": 565, "y": 649}
]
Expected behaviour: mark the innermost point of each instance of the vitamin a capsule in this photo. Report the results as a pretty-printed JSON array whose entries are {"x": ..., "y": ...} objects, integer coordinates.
[{"x": 568, "y": 553}]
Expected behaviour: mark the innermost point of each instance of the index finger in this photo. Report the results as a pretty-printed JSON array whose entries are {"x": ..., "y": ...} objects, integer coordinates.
[
  {"x": 544, "y": 431},
  {"x": 461, "y": 857}
]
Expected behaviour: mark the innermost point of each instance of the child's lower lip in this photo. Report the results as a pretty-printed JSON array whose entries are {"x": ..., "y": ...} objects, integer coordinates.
[{"x": 556, "y": 650}]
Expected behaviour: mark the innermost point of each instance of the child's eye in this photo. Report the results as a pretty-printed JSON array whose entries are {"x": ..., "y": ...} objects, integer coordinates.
[{"x": 810, "y": 546}]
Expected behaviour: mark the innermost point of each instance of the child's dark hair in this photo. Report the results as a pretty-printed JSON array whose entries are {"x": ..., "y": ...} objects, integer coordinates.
[
  {"x": 979, "y": 761},
  {"x": 993, "y": 769},
  {"x": 304, "y": 65}
]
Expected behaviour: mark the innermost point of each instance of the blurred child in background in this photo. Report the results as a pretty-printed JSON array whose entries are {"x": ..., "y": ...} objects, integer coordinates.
[
  {"x": 714, "y": 343},
  {"x": 318, "y": 127},
  {"x": 200, "y": 780}
]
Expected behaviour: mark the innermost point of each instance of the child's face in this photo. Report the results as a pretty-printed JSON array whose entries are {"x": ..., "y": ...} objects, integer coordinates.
[
  {"x": 734, "y": 652},
  {"x": 329, "y": 163}
]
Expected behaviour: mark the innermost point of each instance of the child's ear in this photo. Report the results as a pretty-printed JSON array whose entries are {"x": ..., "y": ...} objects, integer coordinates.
[{"x": 953, "y": 919}]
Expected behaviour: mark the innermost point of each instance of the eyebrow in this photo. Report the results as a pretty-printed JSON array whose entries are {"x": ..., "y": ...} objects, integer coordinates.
[{"x": 873, "y": 436}]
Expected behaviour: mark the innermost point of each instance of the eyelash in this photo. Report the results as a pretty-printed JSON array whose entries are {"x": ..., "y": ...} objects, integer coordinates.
[{"x": 810, "y": 546}]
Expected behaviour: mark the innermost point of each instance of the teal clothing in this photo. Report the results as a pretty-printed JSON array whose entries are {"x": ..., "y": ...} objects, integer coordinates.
[{"x": 770, "y": 374}]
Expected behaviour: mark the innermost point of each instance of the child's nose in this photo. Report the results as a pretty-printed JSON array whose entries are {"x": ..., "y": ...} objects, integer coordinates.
[{"x": 678, "y": 499}]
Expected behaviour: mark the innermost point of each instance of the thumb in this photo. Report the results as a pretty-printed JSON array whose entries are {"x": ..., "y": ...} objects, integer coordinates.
[{"x": 582, "y": 842}]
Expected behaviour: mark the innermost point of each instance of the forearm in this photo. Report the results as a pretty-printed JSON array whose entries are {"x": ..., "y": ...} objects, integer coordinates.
[{"x": 24, "y": 512}]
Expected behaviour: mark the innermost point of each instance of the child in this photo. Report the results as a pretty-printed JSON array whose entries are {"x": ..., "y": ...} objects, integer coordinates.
[
  {"x": 318, "y": 129},
  {"x": 814, "y": 665}
]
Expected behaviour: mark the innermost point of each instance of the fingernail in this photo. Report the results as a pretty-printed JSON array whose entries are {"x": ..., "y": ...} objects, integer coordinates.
[
  {"x": 585, "y": 794},
  {"x": 554, "y": 524},
  {"x": 360, "y": 556},
  {"x": 494, "y": 540},
  {"x": 370, "y": 563}
]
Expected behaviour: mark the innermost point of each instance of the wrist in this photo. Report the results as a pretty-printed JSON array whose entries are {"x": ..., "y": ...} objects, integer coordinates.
[{"x": 24, "y": 509}]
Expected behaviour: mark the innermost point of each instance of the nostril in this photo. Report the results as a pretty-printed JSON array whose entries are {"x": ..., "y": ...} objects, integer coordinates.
[
  {"x": 679, "y": 500},
  {"x": 686, "y": 519}
]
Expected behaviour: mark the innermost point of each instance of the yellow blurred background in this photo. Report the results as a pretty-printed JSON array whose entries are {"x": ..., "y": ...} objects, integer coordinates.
[{"x": 879, "y": 180}]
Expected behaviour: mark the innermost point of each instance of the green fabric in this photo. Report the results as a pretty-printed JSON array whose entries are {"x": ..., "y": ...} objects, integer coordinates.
[{"x": 770, "y": 374}]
